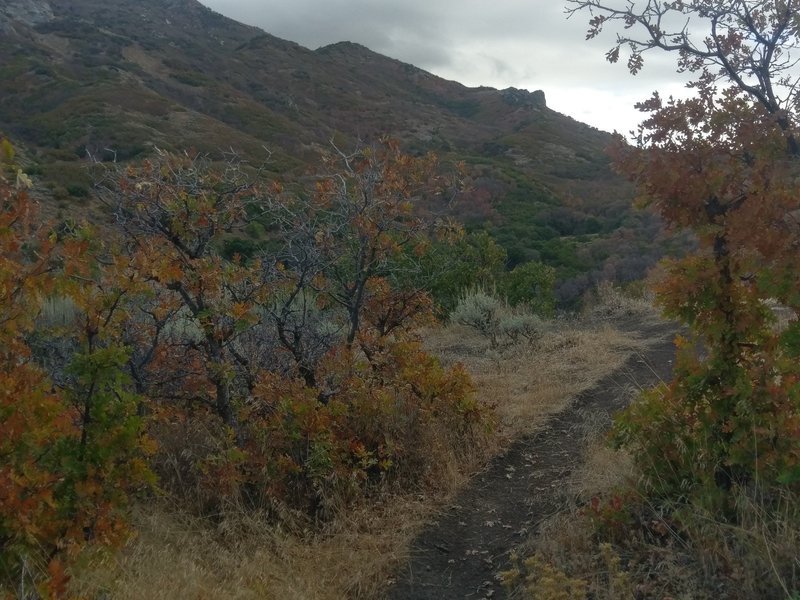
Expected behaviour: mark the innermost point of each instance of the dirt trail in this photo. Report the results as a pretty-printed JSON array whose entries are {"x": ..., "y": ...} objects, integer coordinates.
[{"x": 458, "y": 556}]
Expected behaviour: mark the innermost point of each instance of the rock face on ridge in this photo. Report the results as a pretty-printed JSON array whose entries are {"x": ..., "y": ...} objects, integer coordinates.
[{"x": 517, "y": 97}]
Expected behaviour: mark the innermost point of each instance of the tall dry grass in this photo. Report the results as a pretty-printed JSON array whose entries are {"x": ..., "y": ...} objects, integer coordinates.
[
  {"x": 662, "y": 550},
  {"x": 247, "y": 557},
  {"x": 528, "y": 382}
]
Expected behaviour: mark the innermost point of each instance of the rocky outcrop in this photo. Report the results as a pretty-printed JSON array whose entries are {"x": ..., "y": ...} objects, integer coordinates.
[{"x": 524, "y": 98}]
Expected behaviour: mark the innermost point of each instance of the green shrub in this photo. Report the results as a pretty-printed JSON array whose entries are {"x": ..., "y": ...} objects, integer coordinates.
[
  {"x": 532, "y": 284},
  {"x": 77, "y": 190}
]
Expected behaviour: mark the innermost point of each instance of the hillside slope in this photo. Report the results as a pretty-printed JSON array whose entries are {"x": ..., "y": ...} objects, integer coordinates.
[{"x": 113, "y": 79}]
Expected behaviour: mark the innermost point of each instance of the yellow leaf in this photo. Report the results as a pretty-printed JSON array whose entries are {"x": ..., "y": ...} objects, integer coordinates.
[{"x": 8, "y": 150}]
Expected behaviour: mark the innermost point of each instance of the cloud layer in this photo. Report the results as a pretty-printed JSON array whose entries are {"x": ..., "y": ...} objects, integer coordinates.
[{"x": 520, "y": 43}]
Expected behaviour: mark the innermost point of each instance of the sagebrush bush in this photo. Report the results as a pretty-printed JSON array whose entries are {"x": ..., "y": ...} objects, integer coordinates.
[
  {"x": 519, "y": 326},
  {"x": 495, "y": 319},
  {"x": 481, "y": 311}
]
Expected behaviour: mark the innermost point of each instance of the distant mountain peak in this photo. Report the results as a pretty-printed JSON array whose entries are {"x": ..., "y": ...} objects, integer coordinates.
[
  {"x": 344, "y": 46},
  {"x": 352, "y": 50}
]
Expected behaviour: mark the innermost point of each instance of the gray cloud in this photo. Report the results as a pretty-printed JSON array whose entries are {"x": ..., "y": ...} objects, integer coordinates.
[{"x": 521, "y": 43}]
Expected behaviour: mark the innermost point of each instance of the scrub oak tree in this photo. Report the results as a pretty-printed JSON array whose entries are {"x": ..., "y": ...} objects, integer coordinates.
[{"x": 723, "y": 163}]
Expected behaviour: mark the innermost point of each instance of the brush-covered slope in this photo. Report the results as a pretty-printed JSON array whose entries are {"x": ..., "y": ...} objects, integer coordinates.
[{"x": 113, "y": 79}]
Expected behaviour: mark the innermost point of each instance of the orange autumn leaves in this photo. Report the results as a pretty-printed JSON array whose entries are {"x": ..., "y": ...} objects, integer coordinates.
[
  {"x": 62, "y": 479},
  {"x": 725, "y": 165},
  {"x": 300, "y": 365}
]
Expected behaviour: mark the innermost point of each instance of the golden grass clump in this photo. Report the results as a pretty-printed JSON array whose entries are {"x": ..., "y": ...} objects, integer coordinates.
[
  {"x": 527, "y": 383},
  {"x": 245, "y": 556}
]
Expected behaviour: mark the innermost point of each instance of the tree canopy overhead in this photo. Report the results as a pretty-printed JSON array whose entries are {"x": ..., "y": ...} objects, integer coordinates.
[{"x": 752, "y": 45}]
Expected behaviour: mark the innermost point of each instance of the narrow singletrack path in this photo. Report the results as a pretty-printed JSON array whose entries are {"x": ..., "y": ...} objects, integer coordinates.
[{"x": 459, "y": 554}]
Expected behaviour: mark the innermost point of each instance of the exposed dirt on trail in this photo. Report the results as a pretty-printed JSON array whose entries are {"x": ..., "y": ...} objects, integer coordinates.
[{"x": 459, "y": 555}]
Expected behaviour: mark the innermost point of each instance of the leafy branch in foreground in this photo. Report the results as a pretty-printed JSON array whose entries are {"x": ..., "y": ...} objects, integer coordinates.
[
  {"x": 723, "y": 163},
  {"x": 70, "y": 441},
  {"x": 751, "y": 45}
]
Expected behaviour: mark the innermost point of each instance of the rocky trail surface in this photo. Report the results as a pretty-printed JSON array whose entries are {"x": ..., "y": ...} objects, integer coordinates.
[{"x": 459, "y": 555}]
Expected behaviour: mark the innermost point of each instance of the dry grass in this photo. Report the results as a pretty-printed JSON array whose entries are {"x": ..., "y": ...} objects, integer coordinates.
[
  {"x": 526, "y": 383},
  {"x": 604, "y": 470},
  {"x": 242, "y": 554},
  {"x": 697, "y": 557},
  {"x": 563, "y": 537},
  {"x": 572, "y": 551},
  {"x": 607, "y": 303},
  {"x": 241, "y": 557}
]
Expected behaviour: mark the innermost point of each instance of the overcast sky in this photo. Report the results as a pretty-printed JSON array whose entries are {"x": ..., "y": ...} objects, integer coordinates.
[{"x": 500, "y": 43}]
